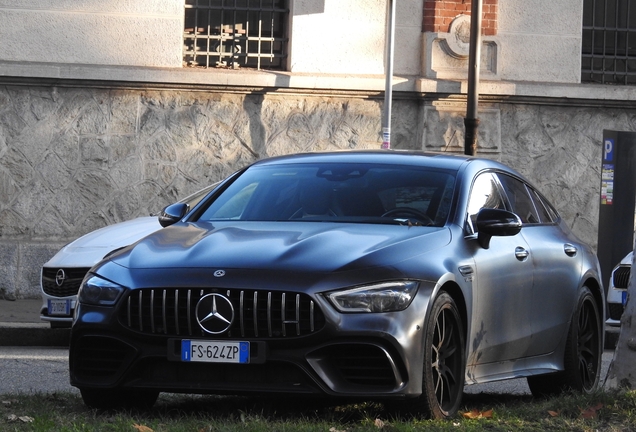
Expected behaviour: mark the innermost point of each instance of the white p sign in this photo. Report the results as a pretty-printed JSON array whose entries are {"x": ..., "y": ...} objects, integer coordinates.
[{"x": 608, "y": 149}]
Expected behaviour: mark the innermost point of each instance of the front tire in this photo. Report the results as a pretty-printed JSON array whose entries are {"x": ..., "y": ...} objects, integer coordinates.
[
  {"x": 583, "y": 353},
  {"x": 444, "y": 360}
]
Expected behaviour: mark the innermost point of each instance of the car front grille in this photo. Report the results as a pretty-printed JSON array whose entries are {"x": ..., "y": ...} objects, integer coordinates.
[
  {"x": 620, "y": 277},
  {"x": 257, "y": 314},
  {"x": 70, "y": 284}
]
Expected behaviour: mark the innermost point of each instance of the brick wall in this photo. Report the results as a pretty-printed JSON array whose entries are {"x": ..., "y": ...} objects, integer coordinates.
[{"x": 438, "y": 14}]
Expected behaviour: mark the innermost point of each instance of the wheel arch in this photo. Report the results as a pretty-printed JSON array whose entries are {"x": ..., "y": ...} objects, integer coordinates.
[
  {"x": 458, "y": 296},
  {"x": 597, "y": 291}
]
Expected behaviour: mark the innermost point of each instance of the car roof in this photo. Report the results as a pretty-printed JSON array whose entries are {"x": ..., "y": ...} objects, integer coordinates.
[{"x": 402, "y": 157}]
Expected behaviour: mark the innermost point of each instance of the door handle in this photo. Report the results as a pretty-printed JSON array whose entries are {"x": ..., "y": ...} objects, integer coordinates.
[
  {"x": 570, "y": 249},
  {"x": 521, "y": 253}
]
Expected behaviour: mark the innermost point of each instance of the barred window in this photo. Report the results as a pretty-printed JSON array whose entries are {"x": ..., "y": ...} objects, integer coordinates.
[
  {"x": 609, "y": 42},
  {"x": 236, "y": 33}
]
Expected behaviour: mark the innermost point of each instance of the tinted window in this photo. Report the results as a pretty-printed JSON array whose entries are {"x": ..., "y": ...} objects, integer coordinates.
[
  {"x": 543, "y": 210},
  {"x": 485, "y": 193},
  {"x": 334, "y": 192},
  {"x": 519, "y": 199}
]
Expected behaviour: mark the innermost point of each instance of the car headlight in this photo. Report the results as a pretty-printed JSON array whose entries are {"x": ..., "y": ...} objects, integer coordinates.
[
  {"x": 98, "y": 291},
  {"x": 381, "y": 297}
]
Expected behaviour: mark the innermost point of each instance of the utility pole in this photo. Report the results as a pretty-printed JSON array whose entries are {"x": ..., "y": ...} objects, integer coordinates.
[
  {"x": 388, "y": 68},
  {"x": 471, "y": 121}
]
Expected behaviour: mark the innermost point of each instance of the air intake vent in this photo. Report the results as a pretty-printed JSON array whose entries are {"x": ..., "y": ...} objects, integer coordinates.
[
  {"x": 100, "y": 357},
  {"x": 359, "y": 364},
  {"x": 615, "y": 311},
  {"x": 621, "y": 277}
]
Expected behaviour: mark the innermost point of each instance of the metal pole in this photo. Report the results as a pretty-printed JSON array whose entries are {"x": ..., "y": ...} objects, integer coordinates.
[
  {"x": 471, "y": 122},
  {"x": 388, "y": 89}
]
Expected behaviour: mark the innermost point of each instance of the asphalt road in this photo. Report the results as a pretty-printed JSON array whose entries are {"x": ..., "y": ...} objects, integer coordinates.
[
  {"x": 34, "y": 370},
  {"x": 45, "y": 370}
]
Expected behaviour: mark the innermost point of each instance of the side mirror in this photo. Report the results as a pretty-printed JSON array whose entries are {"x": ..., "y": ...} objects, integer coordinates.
[
  {"x": 172, "y": 214},
  {"x": 495, "y": 222}
]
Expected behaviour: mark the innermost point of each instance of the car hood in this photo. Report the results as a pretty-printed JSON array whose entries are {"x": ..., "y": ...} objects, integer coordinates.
[
  {"x": 281, "y": 246},
  {"x": 89, "y": 249}
]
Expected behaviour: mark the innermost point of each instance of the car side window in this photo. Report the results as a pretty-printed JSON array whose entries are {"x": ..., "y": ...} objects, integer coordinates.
[
  {"x": 543, "y": 209},
  {"x": 485, "y": 193},
  {"x": 520, "y": 199}
]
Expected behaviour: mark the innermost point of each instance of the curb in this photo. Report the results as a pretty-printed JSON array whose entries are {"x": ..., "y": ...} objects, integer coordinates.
[{"x": 33, "y": 334}]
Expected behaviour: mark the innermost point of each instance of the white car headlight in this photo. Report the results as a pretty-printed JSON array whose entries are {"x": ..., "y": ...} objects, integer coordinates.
[
  {"x": 98, "y": 291},
  {"x": 381, "y": 297}
]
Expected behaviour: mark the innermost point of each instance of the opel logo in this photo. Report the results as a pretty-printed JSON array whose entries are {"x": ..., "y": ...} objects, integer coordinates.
[
  {"x": 219, "y": 273},
  {"x": 60, "y": 277},
  {"x": 214, "y": 313}
]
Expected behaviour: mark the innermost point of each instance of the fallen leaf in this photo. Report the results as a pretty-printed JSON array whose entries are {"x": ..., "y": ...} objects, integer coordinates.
[
  {"x": 591, "y": 412},
  {"x": 379, "y": 423},
  {"x": 475, "y": 414},
  {"x": 12, "y": 417},
  {"x": 553, "y": 413},
  {"x": 333, "y": 429},
  {"x": 471, "y": 414},
  {"x": 142, "y": 428},
  {"x": 26, "y": 419}
]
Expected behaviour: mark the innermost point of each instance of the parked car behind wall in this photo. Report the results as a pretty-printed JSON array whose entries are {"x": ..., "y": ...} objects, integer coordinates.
[
  {"x": 616, "y": 298},
  {"x": 62, "y": 275}
]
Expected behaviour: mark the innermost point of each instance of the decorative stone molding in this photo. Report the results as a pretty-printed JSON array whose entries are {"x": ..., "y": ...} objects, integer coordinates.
[
  {"x": 445, "y": 55},
  {"x": 444, "y": 129},
  {"x": 458, "y": 41}
]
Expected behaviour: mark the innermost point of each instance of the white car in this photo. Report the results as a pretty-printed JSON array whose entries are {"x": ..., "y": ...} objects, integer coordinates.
[
  {"x": 616, "y": 298},
  {"x": 62, "y": 275}
]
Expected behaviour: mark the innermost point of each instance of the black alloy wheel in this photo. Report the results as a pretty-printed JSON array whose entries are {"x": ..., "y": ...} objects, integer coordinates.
[
  {"x": 588, "y": 345},
  {"x": 444, "y": 359},
  {"x": 583, "y": 353}
]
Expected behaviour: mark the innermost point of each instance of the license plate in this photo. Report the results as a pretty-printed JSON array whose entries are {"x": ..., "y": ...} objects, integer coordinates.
[
  {"x": 59, "y": 307},
  {"x": 215, "y": 352},
  {"x": 624, "y": 298}
]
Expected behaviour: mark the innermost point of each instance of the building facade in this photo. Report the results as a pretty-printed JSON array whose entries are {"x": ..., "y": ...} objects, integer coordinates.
[{"x": 112, "y": 110}]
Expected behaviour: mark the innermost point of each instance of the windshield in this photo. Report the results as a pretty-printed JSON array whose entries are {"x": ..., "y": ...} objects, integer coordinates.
[{"x": 363, "y": 193}]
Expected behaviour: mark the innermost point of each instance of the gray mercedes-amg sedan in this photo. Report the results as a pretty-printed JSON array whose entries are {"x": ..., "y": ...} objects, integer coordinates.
[{"x": 376, "y": 275}]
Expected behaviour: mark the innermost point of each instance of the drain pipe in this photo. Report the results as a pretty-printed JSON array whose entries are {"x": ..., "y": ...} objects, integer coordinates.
[{"x": 471, "y": 121}]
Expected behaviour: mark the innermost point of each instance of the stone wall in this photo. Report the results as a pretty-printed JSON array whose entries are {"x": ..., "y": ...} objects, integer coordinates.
[{"x": 76, "y": 159}]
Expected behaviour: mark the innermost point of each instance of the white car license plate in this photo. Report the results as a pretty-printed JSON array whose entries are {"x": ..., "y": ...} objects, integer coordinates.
[
  {"x": 215, "y": 351},
  {"x": 59, "y": 307}
]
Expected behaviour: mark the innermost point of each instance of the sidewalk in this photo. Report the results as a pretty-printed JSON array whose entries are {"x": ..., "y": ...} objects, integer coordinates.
[{"x": 20, "y": 325}]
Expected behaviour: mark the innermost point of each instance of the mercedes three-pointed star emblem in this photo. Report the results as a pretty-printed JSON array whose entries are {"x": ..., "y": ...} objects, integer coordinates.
[{"x": 214, "y": 313}]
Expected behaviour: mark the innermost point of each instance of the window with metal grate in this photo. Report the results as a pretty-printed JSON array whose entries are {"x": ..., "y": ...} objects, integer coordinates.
[
  {"x": 609, "y": 42},
  {"x": 236, "y": 33}
]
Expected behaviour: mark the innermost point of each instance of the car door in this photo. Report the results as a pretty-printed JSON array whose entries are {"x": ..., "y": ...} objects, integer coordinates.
[
  {"x": 554, "y": 257},
  {"x": 502, "y": 285}
]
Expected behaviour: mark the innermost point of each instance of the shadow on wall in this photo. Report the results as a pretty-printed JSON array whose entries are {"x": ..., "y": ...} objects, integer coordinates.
[{"x": 308, "y": 7}]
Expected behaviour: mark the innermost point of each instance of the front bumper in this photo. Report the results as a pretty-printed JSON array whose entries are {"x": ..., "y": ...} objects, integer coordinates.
[{"x": 352, "y": 355}]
